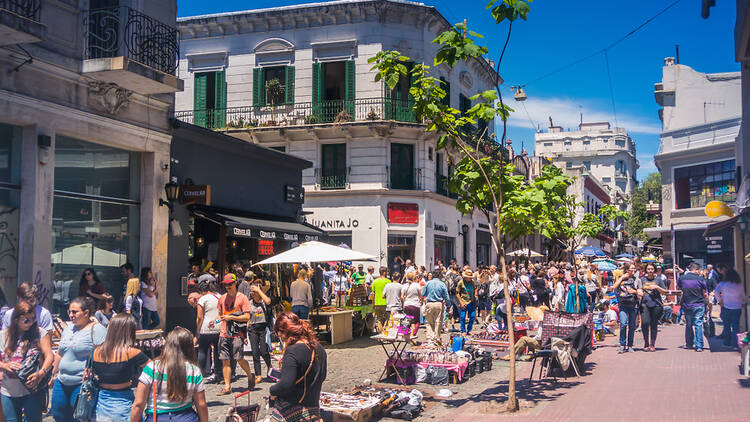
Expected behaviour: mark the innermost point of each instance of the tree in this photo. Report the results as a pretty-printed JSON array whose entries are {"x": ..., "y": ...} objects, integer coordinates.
[
  {"x": 648, "y": 190},
  {"x": 485, "y": 179}
]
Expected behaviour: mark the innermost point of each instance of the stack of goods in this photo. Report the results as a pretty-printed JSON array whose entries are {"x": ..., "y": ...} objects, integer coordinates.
[
  {"x": 434, "y": 366},
  {"x": 398, "y": 327},
  {"x": 150, "y": 342},
  {"x": 359, "y": 406},
  {"x": 358, "y": 296}
]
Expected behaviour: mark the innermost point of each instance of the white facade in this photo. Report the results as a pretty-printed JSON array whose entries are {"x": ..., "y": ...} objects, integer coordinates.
[
  {"x": 607, "y": 153},
  {"x": 701, "y": 114},
  {"x": 382, "y": 154}
]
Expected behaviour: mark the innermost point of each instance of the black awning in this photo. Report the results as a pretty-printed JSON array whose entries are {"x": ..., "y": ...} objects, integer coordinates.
[
  {"x": 721, "y": 225},
  {"x": 260, "y": 227}
]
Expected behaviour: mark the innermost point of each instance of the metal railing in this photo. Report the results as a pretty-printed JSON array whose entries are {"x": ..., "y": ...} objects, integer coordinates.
[
  {"x": 122, "y": 31},
  {"x": 297, "y": 114},
  {"x": 441, "y": 186},
  {"x": 400, "y": 178},
  {"x": 335, "y": 180},
  {"x": 28, "y": 9}
]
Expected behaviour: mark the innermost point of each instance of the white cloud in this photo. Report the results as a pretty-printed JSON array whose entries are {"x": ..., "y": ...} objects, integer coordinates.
[
  {"x": 647, "y": 165},
  {"x": 566, "y": 112}
]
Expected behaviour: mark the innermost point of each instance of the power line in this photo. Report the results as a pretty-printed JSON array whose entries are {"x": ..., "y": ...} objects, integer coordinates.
[
  {"x": 603, "y": 50},
  {"x": 611, "y": 89}
]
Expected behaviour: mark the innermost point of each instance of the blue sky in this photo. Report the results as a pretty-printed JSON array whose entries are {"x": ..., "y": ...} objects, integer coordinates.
[{"x": 558, "y": 33}]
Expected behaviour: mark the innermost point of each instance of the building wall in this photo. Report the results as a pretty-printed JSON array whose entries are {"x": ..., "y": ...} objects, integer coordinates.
[{"x": 51, "y": 96}]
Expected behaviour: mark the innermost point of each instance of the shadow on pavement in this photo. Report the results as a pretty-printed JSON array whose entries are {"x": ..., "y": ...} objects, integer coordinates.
[{"x": 744, "y": 382}]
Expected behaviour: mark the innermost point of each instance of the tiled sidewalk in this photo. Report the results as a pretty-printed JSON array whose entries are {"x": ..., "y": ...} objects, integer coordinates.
[{"x": 671, "y": 384}]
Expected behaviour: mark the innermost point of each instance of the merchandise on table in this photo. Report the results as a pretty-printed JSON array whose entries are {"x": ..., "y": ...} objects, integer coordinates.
[{"x": 398, "y": 327}]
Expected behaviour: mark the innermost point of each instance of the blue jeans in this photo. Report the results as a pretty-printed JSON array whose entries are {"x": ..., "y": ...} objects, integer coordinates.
[
  {"x": 471, "y": 311},
  {"x": 731, "y": 320},
  {"x": 149, "y": 319},
  {"x": 694, "y": 326},
  {"x": 188, "y": 415},
  {"x": 627, "y": 326},
  {"x": 114, "y": 406},
  {"x": 30, "y": 405},
  {"x": 501, "y": 316},
  {"x": 301, "y": 311},
  {"x": 64, "y": 401}
]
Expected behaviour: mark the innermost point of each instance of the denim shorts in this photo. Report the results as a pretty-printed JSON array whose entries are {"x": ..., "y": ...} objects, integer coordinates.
[{"x": 114, "y": 405}]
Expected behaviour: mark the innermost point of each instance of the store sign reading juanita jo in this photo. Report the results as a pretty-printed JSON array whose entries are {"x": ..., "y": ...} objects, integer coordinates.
[
  {"x": 336, "y": 223},
  {"x": 271, "y": 234}
]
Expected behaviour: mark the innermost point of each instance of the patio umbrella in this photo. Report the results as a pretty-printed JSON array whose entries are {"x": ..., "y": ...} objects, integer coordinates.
[
  {"x": 525, "y": 252},
  {"x": 649, "y": 259},
  {"x": 605, "y": 266},
  {"x": 590, "y": 251},
  {"x": 88, "y": 254},
  {"x": 316, "y": 252},
  {"x": 623, "y": 259},
  {"x": 625, "y": 255}
]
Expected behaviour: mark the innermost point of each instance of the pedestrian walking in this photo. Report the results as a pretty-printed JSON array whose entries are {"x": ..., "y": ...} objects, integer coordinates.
[
  {"x": 651, "y": 306},
  {"x": 436, "y": 297},
  {"x": 466, "y": 293},
  {"x": 133, "y": 301},
  {"x": 694, "y": 302},
  {"x": 411, "y": 299},
  {"x": 626, "y": 288},
  {"x": 149, "y": 295},
  {"x": 301, "y": 294},
  {"x": 208, "y": 325},
  {"x": 106, "y": 310},
  {"x": 256, "y": 327},
  {"x": 378, "y": 300},
  {"x": 234, "y": 313},
  {"x": 731, "y": 297}
]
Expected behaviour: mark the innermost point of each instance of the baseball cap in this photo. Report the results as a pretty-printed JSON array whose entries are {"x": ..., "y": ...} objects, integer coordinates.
[
  {"x": 229, "y": 279},
  {"x": 249, "y": 275}
]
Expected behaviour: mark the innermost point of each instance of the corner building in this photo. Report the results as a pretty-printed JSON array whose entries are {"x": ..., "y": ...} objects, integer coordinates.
[{"x": 297, "y": 79}]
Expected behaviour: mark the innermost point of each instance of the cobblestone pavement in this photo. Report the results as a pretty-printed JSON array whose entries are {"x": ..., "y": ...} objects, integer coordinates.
[{"x": 671, "y": 384}]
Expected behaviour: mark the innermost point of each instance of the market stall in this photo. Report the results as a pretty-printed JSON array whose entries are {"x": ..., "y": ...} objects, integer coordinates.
[{"x": 336, "y": 322}]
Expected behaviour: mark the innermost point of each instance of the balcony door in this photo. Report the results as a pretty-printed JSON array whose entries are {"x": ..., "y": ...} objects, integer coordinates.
[
  {"x": 333, "y": 91},
  {"x": 333, "y": 166},
  {"x": 210, "y": 100},
  {"x": 103, "y": 29},
  {"x": 399, "y": 102},
  {"x": 402, "y": 166}
]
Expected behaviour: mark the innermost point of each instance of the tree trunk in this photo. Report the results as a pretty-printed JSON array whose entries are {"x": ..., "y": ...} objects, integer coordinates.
[{"x": 512, "y": 401}]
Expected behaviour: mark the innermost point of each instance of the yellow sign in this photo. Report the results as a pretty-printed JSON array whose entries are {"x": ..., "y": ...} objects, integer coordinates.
[{"x": 717, "y": 208}]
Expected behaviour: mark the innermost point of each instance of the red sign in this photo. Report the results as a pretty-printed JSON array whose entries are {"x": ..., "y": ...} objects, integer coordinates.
[
  {"x": 265, "y": 247},
  {"x": 399, "y": 213}
]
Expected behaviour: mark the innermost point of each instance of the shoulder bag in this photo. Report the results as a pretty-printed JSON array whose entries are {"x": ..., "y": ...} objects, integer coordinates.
[{"x": 85, "y": 406}]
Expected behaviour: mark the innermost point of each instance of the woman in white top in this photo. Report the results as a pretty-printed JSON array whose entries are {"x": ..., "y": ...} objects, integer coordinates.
[
  {"x": 149, "y": 295},
  {"x": 731, "y": 297},
  {"x": 411, "y": 297},
  {"x": 207, "y": 331}
]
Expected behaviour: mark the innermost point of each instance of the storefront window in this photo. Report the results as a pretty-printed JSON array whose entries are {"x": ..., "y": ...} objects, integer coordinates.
[
  {"x": 95, "y": 216},
  {"x": 401, "y": 245},
  {"x": 483, "y": 247},
  {"x": 10, "y": 158},
  {"x": 445, "y": 249},
  {"x": 695, "y": 186}
]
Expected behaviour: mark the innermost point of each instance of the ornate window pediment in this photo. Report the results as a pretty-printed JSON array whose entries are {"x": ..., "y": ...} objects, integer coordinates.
[{"x": 274, "y": 45}]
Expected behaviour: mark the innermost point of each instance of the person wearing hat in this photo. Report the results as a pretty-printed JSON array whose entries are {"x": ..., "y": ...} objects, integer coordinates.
[
  {"x": 234, "y": 313},
  {"x": 244, "y": 286},
  {"x": 467, "y": 300}
]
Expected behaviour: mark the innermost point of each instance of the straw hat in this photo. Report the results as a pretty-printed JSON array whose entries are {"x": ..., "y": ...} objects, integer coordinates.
[{"x": 468, "y": 274}]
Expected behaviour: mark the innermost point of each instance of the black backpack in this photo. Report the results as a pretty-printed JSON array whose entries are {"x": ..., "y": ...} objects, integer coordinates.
[
  {"x": 135, "y": 309},
  {"x": 623, "y": 297}
]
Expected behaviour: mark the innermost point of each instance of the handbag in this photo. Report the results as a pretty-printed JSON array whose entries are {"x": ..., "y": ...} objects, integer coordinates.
[
  {"x": 85, "y": 406},
  {"x": 30, "y": 365}
]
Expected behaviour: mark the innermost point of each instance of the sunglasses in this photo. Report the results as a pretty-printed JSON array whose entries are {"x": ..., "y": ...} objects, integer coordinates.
[
  {"x": 28, "y": 320},
  {"x": 88, "y": 274}
]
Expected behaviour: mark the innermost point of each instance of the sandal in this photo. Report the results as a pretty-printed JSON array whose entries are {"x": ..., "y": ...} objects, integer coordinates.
[{"x": 224, "y": 392}]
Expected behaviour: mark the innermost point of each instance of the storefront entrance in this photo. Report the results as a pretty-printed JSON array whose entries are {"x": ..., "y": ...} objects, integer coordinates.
[
  {"x": 483, "y": 247},
  {"x": 716, "y": 248},
  {"x": 445, "y": 249},
  {"x": 401, "y": 245}
]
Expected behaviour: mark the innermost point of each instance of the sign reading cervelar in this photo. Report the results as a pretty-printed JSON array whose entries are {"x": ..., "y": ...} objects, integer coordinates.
[
  {"x": 270, "y": 234},
  {"x": 195, "y": 194}
]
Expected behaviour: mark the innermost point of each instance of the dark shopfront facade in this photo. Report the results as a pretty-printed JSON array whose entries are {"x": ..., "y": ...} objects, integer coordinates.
[
  {"x": 237, "y": 205},
  {"x": 714, "y": 248}
]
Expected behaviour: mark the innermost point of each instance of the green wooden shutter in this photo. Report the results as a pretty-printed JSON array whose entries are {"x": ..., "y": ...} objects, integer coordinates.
[
  {"x": 220, "y": 101},
  {"x": 350, "y": 75},
  {"x": 318, "y": 79},
  {"x": 289, "y": 86},
  {"x": 199, "y": 99},
  {"x": 259, "y": 87}
]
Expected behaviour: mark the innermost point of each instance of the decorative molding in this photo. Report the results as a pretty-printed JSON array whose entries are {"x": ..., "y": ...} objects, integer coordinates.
[
  {"x": 273, "y": 45},
  {"x": 466, "y": 79},
  {"x": 111, "y": 97}
]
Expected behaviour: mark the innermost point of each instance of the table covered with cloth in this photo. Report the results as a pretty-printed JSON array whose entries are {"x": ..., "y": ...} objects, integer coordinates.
[{"x": 458, "y": 368}]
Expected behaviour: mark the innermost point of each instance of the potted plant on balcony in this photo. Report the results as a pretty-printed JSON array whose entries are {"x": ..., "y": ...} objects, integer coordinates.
[{"x": 373, "y": 115}]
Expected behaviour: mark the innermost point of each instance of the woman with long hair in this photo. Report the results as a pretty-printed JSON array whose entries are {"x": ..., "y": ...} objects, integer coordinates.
[
  {"x": 731, "y": 297},
  {"x": 651, "y": 306},
  {"x": 116, "y": 362},
  {"x": 91, "y": 286},
  {"x": 19, "y": 342},
  {"x": 256, "y": 327},
  {"x": 149, "y": 295},
  {"x": 176, "y": 381},
  {"x": 77, "y": 341},
  {"x": 411, "y": 298},
  {"x": 133, "y": 301},
  {"x": 207, "y": 331},
  {"x": 304, "y": 366},
  {"x": 106, "y": 310}
]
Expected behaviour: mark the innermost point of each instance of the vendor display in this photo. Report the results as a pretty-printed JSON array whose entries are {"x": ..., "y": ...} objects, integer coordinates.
[
  {"x": 150, "y": 342},
  {"x": 369, "y": 403},
  {"x": 398, "y": 327}
]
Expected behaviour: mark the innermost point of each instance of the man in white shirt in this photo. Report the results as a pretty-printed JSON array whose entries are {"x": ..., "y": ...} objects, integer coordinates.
[{"x": 27, "y": 292}]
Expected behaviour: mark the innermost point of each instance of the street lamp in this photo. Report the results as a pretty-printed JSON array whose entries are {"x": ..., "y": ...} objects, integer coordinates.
[{"x": 172, "y": 191}]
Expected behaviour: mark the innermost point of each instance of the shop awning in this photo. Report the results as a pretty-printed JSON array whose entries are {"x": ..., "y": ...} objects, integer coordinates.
[
  {"x": 721, "y": 225},
  {"x": 265, "y": 227}
]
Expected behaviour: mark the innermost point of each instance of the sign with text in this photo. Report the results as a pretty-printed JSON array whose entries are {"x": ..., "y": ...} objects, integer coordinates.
[
  {"x": 402, "y": 213},
  {"x": 270, "y": 234},
  {"x": 295, "y": 194},
  {"x": 195, "y": 194}
]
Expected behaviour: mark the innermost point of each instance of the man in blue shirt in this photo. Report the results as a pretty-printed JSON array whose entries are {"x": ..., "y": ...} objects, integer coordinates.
[
  {"x": 436, "y": 295},
  {"x": 694, "y": 300}
]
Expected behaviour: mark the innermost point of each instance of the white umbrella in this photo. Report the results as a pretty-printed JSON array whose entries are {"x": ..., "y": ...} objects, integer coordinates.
[
  {"x": 525, "y": 252},
  {"x": 317, "y": 252},
  {"x": 88, "y": 254}
]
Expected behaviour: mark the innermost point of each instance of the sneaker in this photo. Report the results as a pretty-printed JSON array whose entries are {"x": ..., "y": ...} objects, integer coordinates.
[
  {"x": 622, "y": 349},
  {"x": 210, "y": 379},
  {"x": 699, "y": 350}
]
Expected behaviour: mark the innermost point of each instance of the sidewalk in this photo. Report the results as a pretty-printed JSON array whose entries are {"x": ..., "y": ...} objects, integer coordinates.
[{"x": 671, "y": 384}]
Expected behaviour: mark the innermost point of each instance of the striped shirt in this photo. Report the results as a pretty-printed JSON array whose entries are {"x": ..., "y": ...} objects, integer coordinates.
[{"x": 163, "y": 404}]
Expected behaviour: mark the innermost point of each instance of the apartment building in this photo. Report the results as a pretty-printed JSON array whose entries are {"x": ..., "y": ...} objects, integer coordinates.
[{"x": 296, "y": 79}]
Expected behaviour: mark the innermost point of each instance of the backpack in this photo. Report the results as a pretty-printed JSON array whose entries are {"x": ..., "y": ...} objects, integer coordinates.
[
  {"x": 135, "y": 309},
  {"x": 623, "y": 297}
]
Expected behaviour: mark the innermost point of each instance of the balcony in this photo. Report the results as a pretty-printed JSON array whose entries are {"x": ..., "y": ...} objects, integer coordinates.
[
  {"x": 406, "y": 179},
  {"x": 335, "y": 180},
  {"x": 298, "y": 114},
  {"x": 135, "y": 51},
  {"x": 19, "y": 22},
  {"x": 441, "y": 186}
]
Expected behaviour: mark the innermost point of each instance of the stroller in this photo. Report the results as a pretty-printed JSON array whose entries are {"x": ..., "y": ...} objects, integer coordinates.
[{"x": 247, "y": 413}]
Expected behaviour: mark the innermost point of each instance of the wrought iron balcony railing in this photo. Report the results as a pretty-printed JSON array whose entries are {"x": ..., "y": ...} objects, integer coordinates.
[
  {"x": 441, "y": 186},
  {"x": 307, "y": 113},
  {"x": 326, "y": 180},
  {"x": 407, "y": 179},
  {"x": 28, "y": 9},
  {"x": 122, "y": 31}
]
